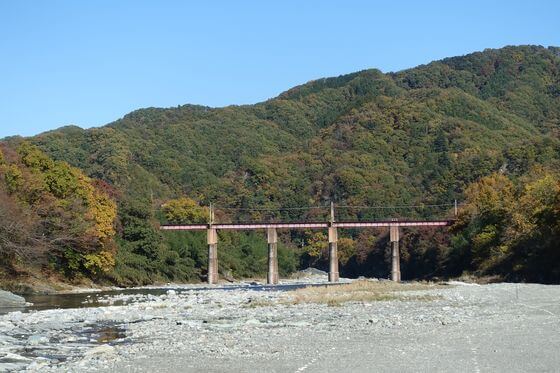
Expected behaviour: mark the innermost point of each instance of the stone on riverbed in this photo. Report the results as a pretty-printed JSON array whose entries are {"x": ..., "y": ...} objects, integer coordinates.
[
  {"x": 35, "y": 340},
  {"x": 99, "y": 350},
  {"x": 8, "y": 299},
  {"x": 310, "y": 273},
  {"x": 13, "y": 358}
]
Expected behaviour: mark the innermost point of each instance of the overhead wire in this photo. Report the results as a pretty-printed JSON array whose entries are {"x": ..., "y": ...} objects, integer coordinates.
[{"x": 336, "y": 206}]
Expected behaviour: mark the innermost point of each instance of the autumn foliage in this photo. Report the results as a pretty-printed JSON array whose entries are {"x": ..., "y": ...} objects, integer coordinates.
[
  {"x": 512, "y": 228},
  {"x": 53, "y": 214}
]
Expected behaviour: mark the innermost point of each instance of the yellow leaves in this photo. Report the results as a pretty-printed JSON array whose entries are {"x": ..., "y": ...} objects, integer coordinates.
[
  {"x": 505, "y": 218},
  {"x": 185, "y": 210},
  {"x": 518, "y": 57},
  {"x": 316, "y": 244},
  {"x": 101, "y": 262},
  {"x": 538, "y": 195},
  {"x": 100, "y": 209},
  {"x": 61, "y": 179},
  {"x": 520, "y": 224},
  {"x": 491, "y": 193},
  {"x": 346, "y": 249},
  {"x": 33, "y": 157},
  {"x": 104, "y": 212},
  {"x": 13, "y": 178},
  {"x": 69, "y": 203},
  {"x": 67, "y": 183},
  {"x": 495, "y": 193}
]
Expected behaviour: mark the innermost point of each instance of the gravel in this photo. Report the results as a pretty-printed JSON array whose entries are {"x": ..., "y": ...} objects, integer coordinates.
[{"x": 470, "y": 328}]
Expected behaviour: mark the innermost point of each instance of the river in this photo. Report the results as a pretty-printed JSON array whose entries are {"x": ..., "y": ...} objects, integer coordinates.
[{"x": 56, "y": 327}]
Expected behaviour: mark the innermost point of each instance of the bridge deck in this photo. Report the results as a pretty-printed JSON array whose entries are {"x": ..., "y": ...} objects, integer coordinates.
[{"x": 311, "y": 225}]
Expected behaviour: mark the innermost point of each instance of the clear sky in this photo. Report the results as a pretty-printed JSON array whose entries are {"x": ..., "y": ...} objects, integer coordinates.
[{"x": 90, "y": 62}]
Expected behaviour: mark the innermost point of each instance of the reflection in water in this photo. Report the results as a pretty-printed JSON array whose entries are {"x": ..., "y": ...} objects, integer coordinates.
[{"x": 110, "y": 334}]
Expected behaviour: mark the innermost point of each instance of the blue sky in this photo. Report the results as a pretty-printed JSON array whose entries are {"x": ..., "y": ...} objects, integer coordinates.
[{"x": 90, "y": 62}]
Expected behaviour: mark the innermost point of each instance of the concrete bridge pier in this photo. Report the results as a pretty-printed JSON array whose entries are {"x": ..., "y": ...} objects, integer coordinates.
[
  {"x": 333, "y": 248},
  {"x": 212, "y": 238},
  {"x": 333, "y": 255},
  {"x": 272, "y": 238},
  {"x": 395, "y": 253}
]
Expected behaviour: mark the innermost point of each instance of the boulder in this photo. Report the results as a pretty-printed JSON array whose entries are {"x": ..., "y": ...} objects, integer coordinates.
[
  {"x": 10, "y": 300},
  {"x": 309, "y": 273},
  {"x": 228, "y": 276},
  {"x": 36, "y": 340},
  {"x": 99, "y": 350}
]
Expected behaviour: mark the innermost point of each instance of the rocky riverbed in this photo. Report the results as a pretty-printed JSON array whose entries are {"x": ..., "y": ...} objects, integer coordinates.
[{"x": 455, "y": 327}]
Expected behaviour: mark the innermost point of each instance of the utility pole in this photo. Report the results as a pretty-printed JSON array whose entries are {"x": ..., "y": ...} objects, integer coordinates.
[
  {"x": 455, "y": 208},
  {"x": 211, "y": 214}
]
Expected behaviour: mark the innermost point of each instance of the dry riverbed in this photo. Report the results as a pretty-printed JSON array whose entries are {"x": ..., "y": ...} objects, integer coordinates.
[{"x": 361, "y": 327}]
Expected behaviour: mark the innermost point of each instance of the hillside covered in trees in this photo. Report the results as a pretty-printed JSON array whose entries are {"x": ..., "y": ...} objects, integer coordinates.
[
  {"x": 482, "y": 128},
  {"x": 54, "y": 218}
]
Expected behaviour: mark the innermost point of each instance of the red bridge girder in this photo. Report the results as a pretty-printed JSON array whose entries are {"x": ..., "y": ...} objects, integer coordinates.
[{"x": 310, "y": 225}]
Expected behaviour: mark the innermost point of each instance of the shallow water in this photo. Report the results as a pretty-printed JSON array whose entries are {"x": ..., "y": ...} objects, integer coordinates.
[{"x": 96, "y": 299}]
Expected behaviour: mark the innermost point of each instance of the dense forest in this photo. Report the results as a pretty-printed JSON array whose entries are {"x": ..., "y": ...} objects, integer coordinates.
[{"x": 482, "y": 128}]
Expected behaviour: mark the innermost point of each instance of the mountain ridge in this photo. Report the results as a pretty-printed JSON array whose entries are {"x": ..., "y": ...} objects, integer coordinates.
[
  {"x": 283, "y": 94},
  {"x": 298, "y": 115},
  {"x": 418, "y": 136}
]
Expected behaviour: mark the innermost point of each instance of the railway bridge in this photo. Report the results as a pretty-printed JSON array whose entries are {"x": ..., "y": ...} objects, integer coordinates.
[{"x": 332, "y": 226}]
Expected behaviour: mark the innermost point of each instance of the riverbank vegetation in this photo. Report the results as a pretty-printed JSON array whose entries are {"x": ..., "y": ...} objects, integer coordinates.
[{"x": 54, "y": 218}]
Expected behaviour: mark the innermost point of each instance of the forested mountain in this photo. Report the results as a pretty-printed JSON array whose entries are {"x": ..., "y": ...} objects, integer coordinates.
[{"x": 463, "y": 127}]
